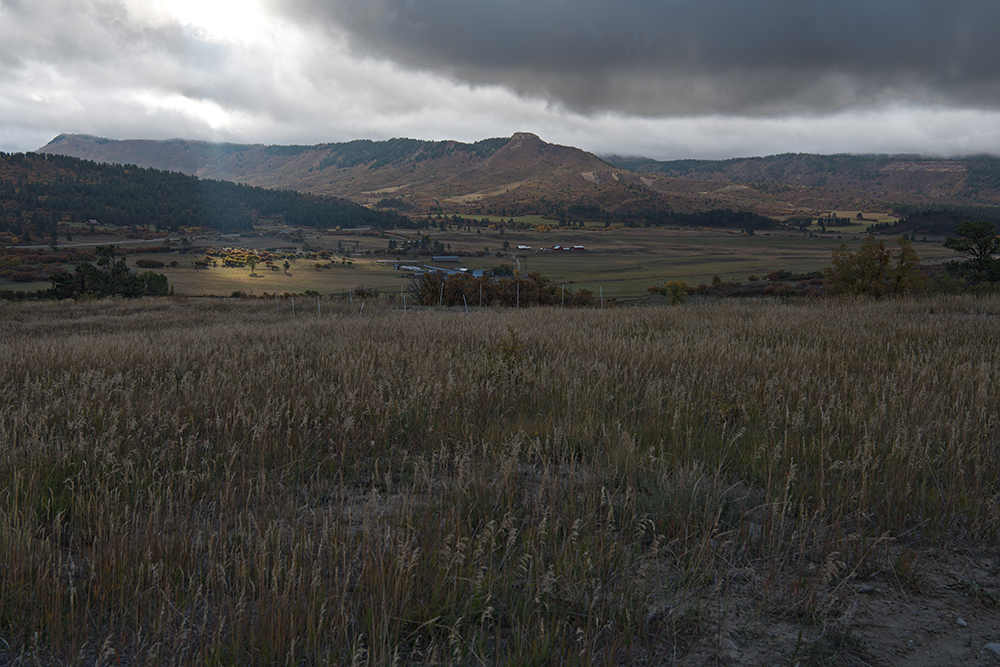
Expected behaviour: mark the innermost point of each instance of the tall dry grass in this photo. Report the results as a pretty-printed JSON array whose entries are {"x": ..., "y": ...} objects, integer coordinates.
[{"x": 223, "y": 483}]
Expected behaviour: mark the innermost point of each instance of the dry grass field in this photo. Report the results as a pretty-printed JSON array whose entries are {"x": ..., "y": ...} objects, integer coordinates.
[{"x": 221, "y": 482}]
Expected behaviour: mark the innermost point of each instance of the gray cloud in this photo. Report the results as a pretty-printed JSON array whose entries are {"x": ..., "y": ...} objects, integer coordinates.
[
  {"x": 102, "y": 46},
  {"x": 673, "y": 78},
  {"x": 687, "y": 56},
  {"x": 94, "y": 66}
]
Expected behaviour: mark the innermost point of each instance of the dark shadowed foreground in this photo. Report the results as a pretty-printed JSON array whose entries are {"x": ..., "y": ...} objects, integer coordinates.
[{"x": 745, "y": 482}]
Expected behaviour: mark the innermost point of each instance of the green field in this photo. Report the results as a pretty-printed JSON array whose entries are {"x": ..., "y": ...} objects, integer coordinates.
[{"x": 621, "y": 263}]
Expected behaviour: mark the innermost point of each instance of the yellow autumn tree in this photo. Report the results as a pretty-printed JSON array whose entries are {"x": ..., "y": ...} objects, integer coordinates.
[{"x": 874, "y": 269}]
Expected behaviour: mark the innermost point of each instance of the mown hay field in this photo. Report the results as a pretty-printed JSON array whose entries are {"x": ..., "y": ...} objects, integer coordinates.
[{"x": 221, "y": 482}]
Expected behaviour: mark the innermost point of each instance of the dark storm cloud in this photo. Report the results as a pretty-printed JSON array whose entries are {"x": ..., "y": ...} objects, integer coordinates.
[{"x": 688, "y": 56}]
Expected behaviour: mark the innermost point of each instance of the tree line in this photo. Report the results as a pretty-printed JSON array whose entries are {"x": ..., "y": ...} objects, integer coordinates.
[
  {"x": 937, "y": 219},
  {"x": 38, "y": 191}
]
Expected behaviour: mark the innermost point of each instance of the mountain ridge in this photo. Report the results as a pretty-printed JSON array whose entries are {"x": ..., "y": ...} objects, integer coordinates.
[
  {"x": 523, "y": 175},
  {"x": 512, "y": 175}
]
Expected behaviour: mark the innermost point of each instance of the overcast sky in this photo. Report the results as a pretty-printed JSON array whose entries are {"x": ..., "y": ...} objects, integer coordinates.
[{"x": 661, "y": 78}]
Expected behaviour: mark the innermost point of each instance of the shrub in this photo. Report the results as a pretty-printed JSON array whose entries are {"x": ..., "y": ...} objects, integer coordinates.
[
  {"x": 155, "y": 283},
  {"x": 678, "y": 291}
]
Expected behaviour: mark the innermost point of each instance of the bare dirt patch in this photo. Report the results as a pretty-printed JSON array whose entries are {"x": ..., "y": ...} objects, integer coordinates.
[
  {"x": 482, "y": 194},
  {"x": 941, "y": 608}
]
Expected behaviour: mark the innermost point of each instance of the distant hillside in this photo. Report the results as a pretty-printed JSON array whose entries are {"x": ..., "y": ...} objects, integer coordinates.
[
  {"x": 881, "y": 178},
  {"x": 524, "y": 175},
  {"x": 39, "y": 191},
  {"x": 518, "y": 175}
]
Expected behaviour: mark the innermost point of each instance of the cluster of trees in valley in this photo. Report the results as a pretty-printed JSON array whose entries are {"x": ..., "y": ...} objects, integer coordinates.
[
  {"x": 98, "y": 273},
  {"x": 108, "y": 276},
  {"x": 657, "y": 216},
  {"x": 720, "y": 217}
]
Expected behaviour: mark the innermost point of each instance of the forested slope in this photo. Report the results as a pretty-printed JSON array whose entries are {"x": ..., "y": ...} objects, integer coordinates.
[{"x": 39, "y": 191}]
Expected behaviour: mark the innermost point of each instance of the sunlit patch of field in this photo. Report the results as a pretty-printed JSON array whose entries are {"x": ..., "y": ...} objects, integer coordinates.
[
  {"x": 303, "y": 275},
  {"x": 219, "y": 481}
]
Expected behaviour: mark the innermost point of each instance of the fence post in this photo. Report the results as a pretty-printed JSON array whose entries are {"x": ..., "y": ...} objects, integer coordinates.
[{"x": 602, "y": 297}]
